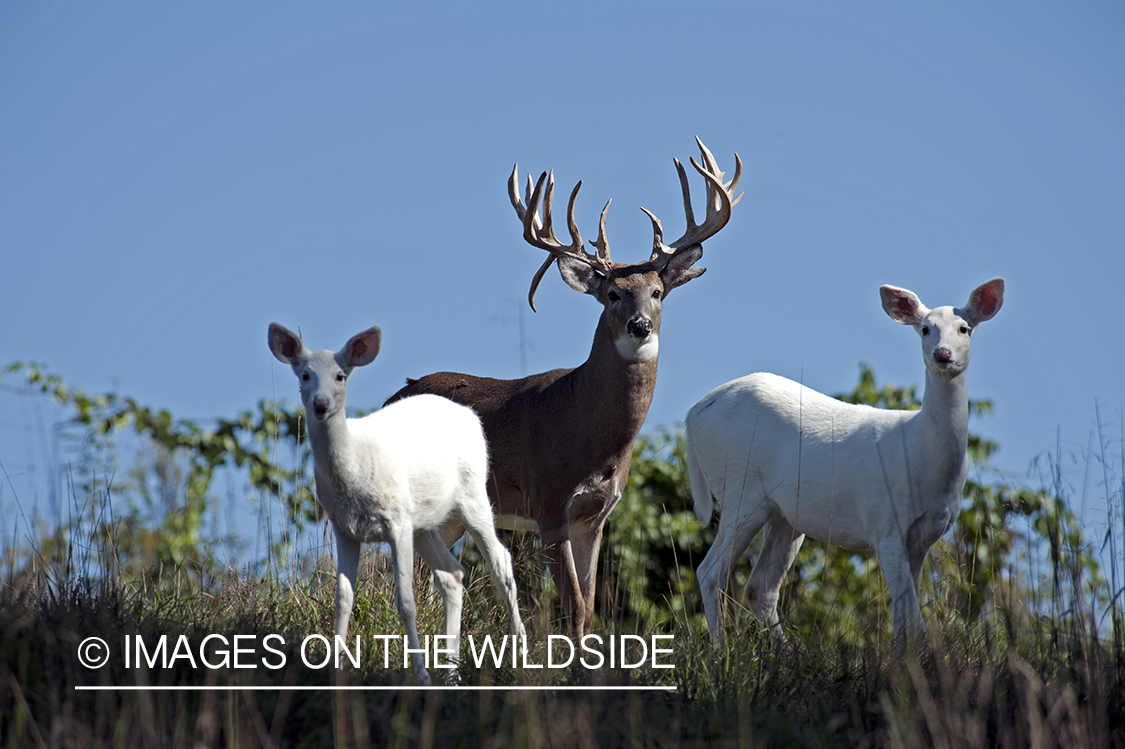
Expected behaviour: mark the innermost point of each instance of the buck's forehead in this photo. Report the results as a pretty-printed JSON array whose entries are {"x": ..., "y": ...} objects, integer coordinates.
[{"x": 633, "y": 277}]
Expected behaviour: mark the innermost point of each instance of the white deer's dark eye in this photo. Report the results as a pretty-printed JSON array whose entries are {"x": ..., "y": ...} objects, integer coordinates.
[
  {"x": 305, "y": 377},
  {"x": 340, "y": 377},
  {"x": 925, "y": 330},
  {"x": 964, "y": 329}
]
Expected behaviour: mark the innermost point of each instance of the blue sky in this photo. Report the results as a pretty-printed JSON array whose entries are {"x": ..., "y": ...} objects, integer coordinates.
[{"x": 175, "y": 176}]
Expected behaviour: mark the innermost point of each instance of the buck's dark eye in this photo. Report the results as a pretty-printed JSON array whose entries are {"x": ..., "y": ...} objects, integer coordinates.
[
  {"x": 614, "y": 296},
  {"x": 657, "y": 293}
]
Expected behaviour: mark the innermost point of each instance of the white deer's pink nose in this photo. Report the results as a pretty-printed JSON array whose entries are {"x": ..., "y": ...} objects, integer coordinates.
[
  {"x": 320, "y": 405},
  {"x": 943, "y": 355}
]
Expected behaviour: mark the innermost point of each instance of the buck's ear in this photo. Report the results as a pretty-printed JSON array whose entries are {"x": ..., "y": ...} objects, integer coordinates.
[
  {"x": 581, "y": 277},
  {"x": 902, "y": 306},
  {"x": 678, "y": 271},
  {"x": 285, "y": 344},
  {"x": 362, "y": 348},
  {"x": 984, "y": 302}
]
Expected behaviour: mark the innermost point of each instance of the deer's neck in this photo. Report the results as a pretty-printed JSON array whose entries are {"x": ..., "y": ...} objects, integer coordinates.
[
  {"x": 331, "y": 444},
  {"x": 618, "y": 384},
  {"x": 943, "y": 422}
]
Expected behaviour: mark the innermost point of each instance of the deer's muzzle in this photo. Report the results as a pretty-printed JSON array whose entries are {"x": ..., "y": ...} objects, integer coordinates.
[{"x": 639, "y": 327}]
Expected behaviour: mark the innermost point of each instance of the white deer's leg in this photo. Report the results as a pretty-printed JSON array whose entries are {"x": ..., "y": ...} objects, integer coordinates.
[
  {"x": 448, "y": 575},
  {"x": 402, "y": 554},
  {"x": 499, "y": 568},
  {"x": 347, "y": 570},
  {"x": 906, "y": 613},
  {"x": 779, "y": 548},
  {"x": 736, "y": 530}
]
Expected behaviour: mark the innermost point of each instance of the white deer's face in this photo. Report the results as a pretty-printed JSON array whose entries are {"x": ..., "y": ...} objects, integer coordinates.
[
  {"x": 945, "y": 336},
  {"x": 324, "y": 383},
  {"x": 946, "y": 332},
  {"x": 323, "y": 375}
]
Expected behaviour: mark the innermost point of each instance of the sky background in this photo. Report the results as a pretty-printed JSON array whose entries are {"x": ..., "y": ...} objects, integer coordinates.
[{"x": 175, "y": 176}]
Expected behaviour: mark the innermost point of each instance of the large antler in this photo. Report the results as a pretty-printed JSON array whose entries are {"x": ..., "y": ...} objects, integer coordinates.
[
  {"x": 541, "y": 232},
  {"x": 719, "y": 205}
]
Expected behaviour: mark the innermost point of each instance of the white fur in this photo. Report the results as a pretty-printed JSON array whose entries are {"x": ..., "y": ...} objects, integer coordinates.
[
  {"x": 644, "y": 349},
  {"x": 397, "y": 475},
  {"x": 778, "y": 455}
]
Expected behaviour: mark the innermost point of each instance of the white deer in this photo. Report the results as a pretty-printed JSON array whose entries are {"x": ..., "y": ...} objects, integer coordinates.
[
  {"x": 397, "y": 475},
  {"x": 783, "y": 456}
]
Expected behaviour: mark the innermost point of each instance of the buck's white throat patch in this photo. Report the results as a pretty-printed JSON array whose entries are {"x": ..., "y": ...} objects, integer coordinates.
[{"x": 643, "y": 350}]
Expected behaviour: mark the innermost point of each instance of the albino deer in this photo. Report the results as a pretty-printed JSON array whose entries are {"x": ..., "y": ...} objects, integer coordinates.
[
  {"x": 780, "y": 455},
  {"x": 561, "y": 441},
  {"x": 397, "y": 475}
]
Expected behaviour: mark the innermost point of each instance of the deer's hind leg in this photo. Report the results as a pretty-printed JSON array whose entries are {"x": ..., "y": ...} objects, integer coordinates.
[
  {"x": 780, "y": 544},
  {"x": 448, "y": 576},
  {"x": 739, "y": 522}
]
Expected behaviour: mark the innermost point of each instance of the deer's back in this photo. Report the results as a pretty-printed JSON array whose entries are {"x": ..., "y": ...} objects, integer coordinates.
[
  {"x": 530, "y": 442},
  {"x": 415, "y": 458},
  {"x": 816, "y": 458}
]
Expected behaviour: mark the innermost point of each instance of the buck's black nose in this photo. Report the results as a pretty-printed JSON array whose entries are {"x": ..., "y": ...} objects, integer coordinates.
[{"x": 640, "y": 327}]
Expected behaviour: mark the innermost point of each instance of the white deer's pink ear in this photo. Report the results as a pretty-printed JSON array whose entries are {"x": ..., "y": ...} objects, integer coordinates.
[
  {"x": 362, "y": 348},
  {"x": 284, "y": 343},
  {"x": 984, "y": 302},
  {"x": 902, "y": 306}
]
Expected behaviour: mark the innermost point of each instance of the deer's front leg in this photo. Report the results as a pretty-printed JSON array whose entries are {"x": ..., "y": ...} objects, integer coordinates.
[
  {"x": 347, "y": 570},
  {"x": 560, "y": 559},
  {"x": 585, "y": 541},
  {"x": 906, "y": 612},
  {"x": 402, "y": 552}
]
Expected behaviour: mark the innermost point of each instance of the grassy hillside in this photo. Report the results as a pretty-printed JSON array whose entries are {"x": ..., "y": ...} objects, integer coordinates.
[{"x": 1009, "y": 681}]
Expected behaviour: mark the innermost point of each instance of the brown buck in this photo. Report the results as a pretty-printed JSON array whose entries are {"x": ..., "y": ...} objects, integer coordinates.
[{"x": 560, "y": 442}]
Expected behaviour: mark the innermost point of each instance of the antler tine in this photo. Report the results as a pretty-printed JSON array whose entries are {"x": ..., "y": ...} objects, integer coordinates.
[
  {"x": 527, "y": 190},
  {"x": 685, "y": 190},
  {"x": 548, "y": 204},
  {"x": 514, "y": 192},
  {"x": 602, "y": 242},
  {"x": 712, "y": 166},
  {"x": 658, "y": 246},
  {"x": 719, "y": 203},
  {"x": 536, "y": 279},
  {"x": 540, "y": 232}
]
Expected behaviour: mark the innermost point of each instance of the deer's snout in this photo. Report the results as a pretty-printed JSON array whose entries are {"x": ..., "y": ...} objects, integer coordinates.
[
  {"x": 943, "y": 355},
  {"x": 320, "y": 405},
  {"x": 639, "y": 326}
]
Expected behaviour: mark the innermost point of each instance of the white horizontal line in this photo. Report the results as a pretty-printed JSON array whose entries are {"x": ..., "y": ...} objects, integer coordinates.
[{"x": 327, "y": 688}]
